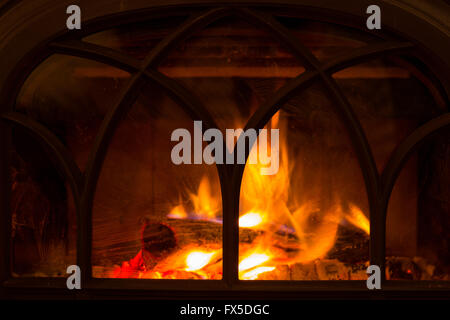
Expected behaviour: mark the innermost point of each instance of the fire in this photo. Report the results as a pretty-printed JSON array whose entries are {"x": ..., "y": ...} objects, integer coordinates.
[
  {"x": 290, "y": 228},
  {"x": 250, "y": 268},
  {"x": 253, "y": 261},
  {"x": 358, "y": 218},
  {"x": 253, "y": 274},
  {"x": 205, "y": 204},
  {"x": 178, "y": 212},
  {"x": 249, "y": 220},
  {"x": 197, "y": 260},
  {"x": 270, "y": 196}
]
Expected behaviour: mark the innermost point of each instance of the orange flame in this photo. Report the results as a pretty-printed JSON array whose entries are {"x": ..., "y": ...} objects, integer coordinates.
[
  {"x": 358, "y": 218},
  {"x": 178, "y": 212}
]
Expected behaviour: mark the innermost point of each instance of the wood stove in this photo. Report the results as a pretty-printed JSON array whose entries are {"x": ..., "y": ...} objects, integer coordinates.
[{"x": 86, "y": 176}]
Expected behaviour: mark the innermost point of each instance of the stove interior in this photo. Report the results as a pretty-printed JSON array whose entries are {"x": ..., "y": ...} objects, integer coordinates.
[{"x": 152, "y": 219}]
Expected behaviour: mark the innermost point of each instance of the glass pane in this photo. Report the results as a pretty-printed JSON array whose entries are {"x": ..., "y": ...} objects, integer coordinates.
[
  {"x": 43, "y": 213},
  {"x": 233, "y": 68},
  {"x": 152, "y": 218},
  {"x": 309, "y": 221},
  {"x": 420, "y": 248},
  {"x": 136, "y": 39},
  {"x": 391, "y": 98},
  {"x": 325, "y": 40},
  {"x": 70, "y": 96}
]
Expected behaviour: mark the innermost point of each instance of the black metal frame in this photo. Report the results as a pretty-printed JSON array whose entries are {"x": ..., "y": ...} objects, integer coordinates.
[{"x": 83, "y": 185}]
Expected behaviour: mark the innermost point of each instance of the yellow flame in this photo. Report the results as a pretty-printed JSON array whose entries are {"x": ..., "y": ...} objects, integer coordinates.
[
  {"x": 178, "y": 212},
  {"x": 197, "y": 260},
  {"x": 253, "y": 274},
  {"x": 205, "y": 204},
  {"x": 358, "y": 218},
  {"x": 249, "y": 220}
]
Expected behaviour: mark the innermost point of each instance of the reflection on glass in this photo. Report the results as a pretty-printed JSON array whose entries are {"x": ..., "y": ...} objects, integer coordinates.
[
  {"x": 391, "y": 98},
  {"x": 137, "y": 39},
  {"x": 70, "y": 97},
  {"x": 325, "y": 40},
  {"x": 42, "y": 213},
  {"x": 233, "y": 67}
]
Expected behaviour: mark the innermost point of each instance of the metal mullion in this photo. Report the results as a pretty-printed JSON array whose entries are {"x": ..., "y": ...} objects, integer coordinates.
[
  {"x": 183, "y": 96},
  {"x": 266, "y": 21},
  {"x": 94, "y": 165},
  {"x": 363, "y": 54},
  {"x": 402, "y": 153},
  {"x": 188, "y": 28},
  {"x": 270, "y": 107},
  {"x": 102, "y": 54},
  {"x": 98, "y": 53}
]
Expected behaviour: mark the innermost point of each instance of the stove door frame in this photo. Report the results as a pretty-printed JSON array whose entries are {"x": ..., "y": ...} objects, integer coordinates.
[{"x": 24, "y": 54}]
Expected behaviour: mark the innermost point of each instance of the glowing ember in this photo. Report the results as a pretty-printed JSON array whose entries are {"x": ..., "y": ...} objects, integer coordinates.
[
  {"x": 249, "y": 220},
  {"x": 253, "y": 261},
  {"x": 197, "y": 260},
  {"x": 253, "y": 274}
]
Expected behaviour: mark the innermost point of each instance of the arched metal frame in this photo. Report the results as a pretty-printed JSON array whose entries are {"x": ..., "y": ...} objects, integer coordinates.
[{"x": 83, "y": 185}]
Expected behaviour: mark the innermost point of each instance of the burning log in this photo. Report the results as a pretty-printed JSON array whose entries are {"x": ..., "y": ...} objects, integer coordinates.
[
  {"x": 158, "y": 241},
  {"x": 320, "y": 269},
  {"x": 204, "y": 232},
  {"x": 351, "y": 246}
]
